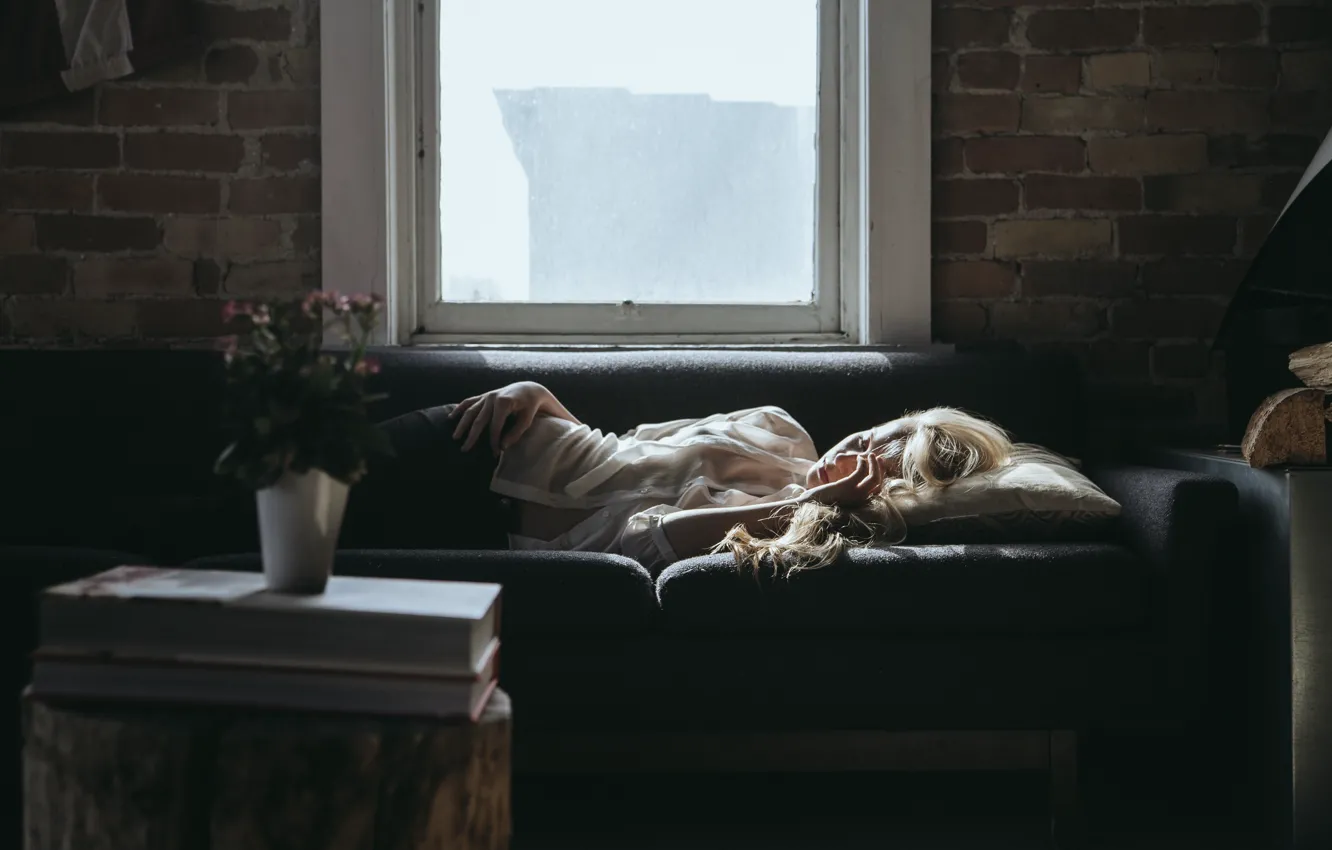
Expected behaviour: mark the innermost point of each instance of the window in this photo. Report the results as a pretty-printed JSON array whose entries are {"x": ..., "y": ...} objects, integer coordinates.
[{"x": 652, "y": 171}]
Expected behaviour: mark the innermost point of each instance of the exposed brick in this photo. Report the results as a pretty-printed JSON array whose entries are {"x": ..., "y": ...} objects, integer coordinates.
[
  {"x": 1060, "y": 237},
  {"x": 1179, "y": 276},
  {"x": 973, "y": 279},
  {"x": 952, "y": 198},
  {"x": 970, "y": 27},
  {"x": 1204, "y": 192},
  {"x": 33, "y": 274},
  {"x": 1184, "y": 67},
  {"x": 190, "y": 236},
  {"x": 1085, "y": 278},
  {"x": 158, "y": 107},
  {"x": 941, "y": 71},
  {"x": 993, "y": 69},
  {"x": 958, "y": 321},
  {"x": 962, "y": 114},
  {"x": 1166, "y": 318},
  {"x": 184, "y": 152},
  {"x": 1307, "y": 112},
  {"x": 159, "y": 194},
  {"x": 1052, "y": 74},
  {"x": 1037, "y": 320},
  {"x": 298, "y": 65},
  {"x": 1082, "y": 29},
  {"x": 946, "y": 157},
  {"x": 1176, "y": 235},
  {"x": 271, "y": 279},
  {"x": 289, "y": 152},
  {"x": 1017, "y": 154},
  {"x": 207, "y": 277},
  {"x": 1253, "y": 232},
  {"x": 1148, "y": 154},
  {"x": 1119, "y": 360},
  {"x": 78, "y": 109},
  {"x": 1183, "y": 361},
  {"x": 1288, "y": 24},
  {"x": 48, "y": 319},
  {"x": 227, "y": 22},
  {"x": 1164, "y": 26},
  {"x": 97, "y": 233},
  {"x": 275, "y": 195},
  {"x": 68, "y": 149},
  {"x": 175, "y": 318},
  {"x": 1274, "y": 149},
  {"x": 17, "y": 234},
  {"x": 1080, "y": 114},
  {"x": 46, "y": 191},
  {"x": 1210, "y": 110},
  {"x": 1119, "y": 70},
  {"x": 959, "y": 237},
  {"x": 1058, "y": 192},
  {"x": 1306, "y": 70},
  {"x": 254, "y": 110},
  {"x": 308, "y": 235},
  {"x": 234, "y": 64},
  {"x": 103, "y": 276},
  {"x": 1247, "y": 67},
  {"x": 1277, "y": 189}
]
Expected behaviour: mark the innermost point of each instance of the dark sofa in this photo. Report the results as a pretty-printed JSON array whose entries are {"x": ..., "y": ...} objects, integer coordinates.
[{"x": 108, "y": 460}]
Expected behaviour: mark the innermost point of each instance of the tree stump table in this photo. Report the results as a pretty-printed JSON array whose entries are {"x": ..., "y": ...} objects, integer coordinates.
[{"x": 166, "y": 778}]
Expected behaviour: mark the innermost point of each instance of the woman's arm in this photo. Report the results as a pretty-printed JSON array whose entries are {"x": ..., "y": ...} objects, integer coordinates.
[
  {"x": 695, "y": 532},
  {"x": 522, "y": 402}
]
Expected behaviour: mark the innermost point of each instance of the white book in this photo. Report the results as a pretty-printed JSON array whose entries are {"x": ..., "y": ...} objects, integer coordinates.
[
  {"x": 153, "y": 680},
  {"x": 385, "y": 625}
]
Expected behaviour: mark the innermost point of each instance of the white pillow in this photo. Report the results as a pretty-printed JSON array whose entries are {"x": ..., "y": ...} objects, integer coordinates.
[{"x": 1037, "y": 496}]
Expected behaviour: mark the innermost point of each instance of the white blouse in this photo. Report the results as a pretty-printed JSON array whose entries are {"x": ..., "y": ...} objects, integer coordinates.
[{"x": 635, "y": 479}]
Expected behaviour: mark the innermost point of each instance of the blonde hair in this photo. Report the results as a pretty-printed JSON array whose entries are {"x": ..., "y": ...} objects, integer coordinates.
[{"x": 946, "y": 444}]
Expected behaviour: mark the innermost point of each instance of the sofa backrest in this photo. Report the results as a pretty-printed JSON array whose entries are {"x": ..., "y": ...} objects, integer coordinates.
[{"x": 115, "y": 448}]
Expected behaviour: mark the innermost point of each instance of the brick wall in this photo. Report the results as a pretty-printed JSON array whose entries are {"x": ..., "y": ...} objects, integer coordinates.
[
  {"x": 127, "y": 211},
  {"x": 1103, "y": 170}
]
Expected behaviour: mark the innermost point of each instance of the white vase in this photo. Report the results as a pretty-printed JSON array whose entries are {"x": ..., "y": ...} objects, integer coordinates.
[{"x": 299, "y": 520}]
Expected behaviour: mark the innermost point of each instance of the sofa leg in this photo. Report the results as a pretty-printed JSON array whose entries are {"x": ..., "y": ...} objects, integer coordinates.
[{"x": 1067, "y": 824}]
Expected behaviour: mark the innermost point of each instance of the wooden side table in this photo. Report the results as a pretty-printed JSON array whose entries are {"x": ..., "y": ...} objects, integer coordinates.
[
  {"x": 164, "y": 778},
  {"x": 1276, "y": 674}
]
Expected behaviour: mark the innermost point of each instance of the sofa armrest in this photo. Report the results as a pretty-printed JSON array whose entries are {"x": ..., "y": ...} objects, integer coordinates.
[{"x": 1180, "y": 524}]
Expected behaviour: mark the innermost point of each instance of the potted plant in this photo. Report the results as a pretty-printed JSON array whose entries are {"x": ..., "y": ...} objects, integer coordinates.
[{"x": 300, "y": 431}]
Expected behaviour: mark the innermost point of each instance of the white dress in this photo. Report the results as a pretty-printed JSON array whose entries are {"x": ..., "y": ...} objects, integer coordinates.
[{"x": 634, "y": 479}]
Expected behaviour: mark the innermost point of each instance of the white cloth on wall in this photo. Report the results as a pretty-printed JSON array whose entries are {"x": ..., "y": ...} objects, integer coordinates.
[{"x": 97, "y": 39}]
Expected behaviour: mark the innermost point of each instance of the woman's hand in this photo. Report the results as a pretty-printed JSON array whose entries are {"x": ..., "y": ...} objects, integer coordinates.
[
  {"x": 522, "y": 402},
  {"x": 853, "y": 489}
]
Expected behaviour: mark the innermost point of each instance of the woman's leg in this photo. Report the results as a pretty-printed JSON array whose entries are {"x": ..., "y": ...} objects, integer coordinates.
[{"x": 429, "y": 494}]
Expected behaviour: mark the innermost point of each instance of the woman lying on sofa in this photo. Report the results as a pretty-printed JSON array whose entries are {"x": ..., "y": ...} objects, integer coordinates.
[{"x": 749, "y": 482}]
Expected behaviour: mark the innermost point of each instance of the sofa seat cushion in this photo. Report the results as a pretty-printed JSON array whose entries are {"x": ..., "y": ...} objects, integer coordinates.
[
  {"x": 1009, "y": 589},
  {"x": 564, "y": 593}
]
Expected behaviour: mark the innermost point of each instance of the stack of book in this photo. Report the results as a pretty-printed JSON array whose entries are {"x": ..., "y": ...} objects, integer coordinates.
[{"x": 372, "y": 646}]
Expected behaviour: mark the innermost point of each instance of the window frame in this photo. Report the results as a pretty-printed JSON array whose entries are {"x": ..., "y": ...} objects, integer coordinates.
[{"x": 375, "y": 194}]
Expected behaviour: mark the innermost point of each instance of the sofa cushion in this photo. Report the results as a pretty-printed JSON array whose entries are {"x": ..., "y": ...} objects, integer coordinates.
[
  {"x": 1009, "y": 589},
  {"x": 544, "y": 592},
  {"x": 1039, "y": 496}
]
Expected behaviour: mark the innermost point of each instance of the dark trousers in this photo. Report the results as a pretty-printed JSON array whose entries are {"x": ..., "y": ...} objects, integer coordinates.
[{"x": 430, "y": 494}]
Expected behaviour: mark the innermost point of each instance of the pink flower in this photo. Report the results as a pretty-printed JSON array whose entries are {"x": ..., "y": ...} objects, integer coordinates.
[
  {"x": 363, "y": 300},
  {"x": 367, "y": 367},
  {"x": 232, "y": 309},
  {"x": 311, "y": 301}
]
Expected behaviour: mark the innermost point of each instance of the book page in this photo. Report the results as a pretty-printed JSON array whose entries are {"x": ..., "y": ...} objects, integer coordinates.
[
  {"x": 154, "y": 583},
  {"x": 405, "y": 597}
]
